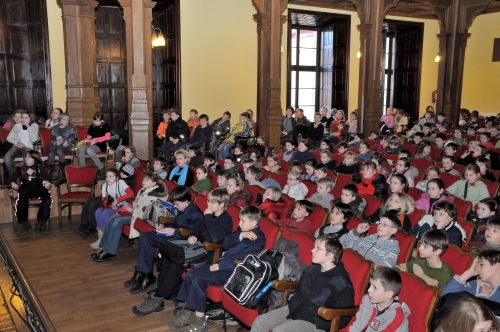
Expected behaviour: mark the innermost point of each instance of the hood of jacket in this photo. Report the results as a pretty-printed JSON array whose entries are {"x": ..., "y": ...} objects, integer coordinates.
[{"x": 158, "y": 191}]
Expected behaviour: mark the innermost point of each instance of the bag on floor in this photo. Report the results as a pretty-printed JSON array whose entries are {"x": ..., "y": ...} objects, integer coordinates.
[{"x": 181, "y": 252}]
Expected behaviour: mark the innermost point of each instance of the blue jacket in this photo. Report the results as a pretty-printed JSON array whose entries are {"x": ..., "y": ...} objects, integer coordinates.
[
  {"x": 303, "y": 156},
  {"x": 473, "y": 287},
  {"x": 188, "y": 218},
  {"x": 236, "y": 249}
]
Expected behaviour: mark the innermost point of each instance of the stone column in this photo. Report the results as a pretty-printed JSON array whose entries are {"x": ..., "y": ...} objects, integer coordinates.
[
  {"x": 269, "y": 28},
  {"x": 79, "y": 48},
  {"x": 138, "y": 17}
]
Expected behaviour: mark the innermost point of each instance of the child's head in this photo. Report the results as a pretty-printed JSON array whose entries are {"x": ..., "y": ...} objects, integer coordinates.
[
  {"x": 426, "y": 128},
  {"x": 472, "y": 146},
  {"x": 32, "y": 157},
  {"x": 398, "y": 183},
  {"x": 401, "y": 202},
  {"x": 393, "y": 142},
  {"x": 129, "y": 151},
  {"x": 484, "y": 164},
  {"x": 484, "y": 137},
  {"x": 378, "y": 161},
  {"x": 233, "y": 184},
  {"x": 192, "y": 151},
  {"x": 249, "y": 218},
  {"x": 325, "y": 156},
  {"x": 444, "y": 213},
  {"x": 448, "y": 162},
  {"x": 418, "y": 138},
  {"x": 253, "y": 174},
  {"x": 303, "y": 208},
  {"x": 432, "y": 173},
  {"x": 353, "y": 116},
  {"x": 342, "y": 147},
  {"x": 222, "y": 177},
  {"x": 373, "y": 135},
  {"x": 494, "y": 132},
  {"x": 433, "y": 243},
  {"x": 193, "y": 114},
  {"x": 244, "y": 117},
  {"x": 385, "y": 284},
  {"x": 293, "y": 178},
  {"x": 425, "y": 148},
  {"x": 180, "y": 197},
  {"x": 489, "y": 266},
  {"x": 209, "y": 160},
  {"x": 471, "y": 130},
  {"x": 273, "y": 160},
  {"x": 469, "y": 314},
  {"x": 112, "y": 175},
  {"x": 388, "y": 225},
  {"x": 450, "y": 149},
  {"x": 404, "y": 154},
  {"x": 486, "y": 208},
  {"x": 228, "y": 162},
  {"x": 203, "y": 120},
  {"x": 435, "y": 188},
  {"x": 56, "y": 113},
  {"x": 474, "y": 115},
  {"x": 324, "y": 186},
  {"x": 369, "y": 169},
  {"x": 218, "y": 198},
  {"x": 428, "y": 115},
  {"x": 479, "y": 150},
  {"x": 441, "y": 117},
  {"x": 202, "y": 172},
  {"x": 159, "y": 163},
  {"x": 340, "y": 125},
  {"x": 303, "y": 145},
  {"x": 358, "y": 137},
  {"x": 296, "y": 166},
  {"x": 247, "y": 163},
  {"x": 309, "y": 166},
  {"x": 317, "y": 117},
  {"x": 350, "y": 158},
  {"x": 166, "y": 115},
  {"x": 181, "y": 157},
  {"x": 325, "y": 145},
  {"x": 472, "y": 173},
  {"x": 327, "y": 249},
  {"x": 349, "y": 193},
  {"x": 440, "y": 140},
  {"x": 492, "y": 232},
  {"x": 340, "y": 214},
  {"x": 255, "y": 155},
  {"x": 64, "y": 119},
  {"x": 402, "y": 165},
  {"x": 289, "y": 111},
  {"x": 238, "y": 150},
  {"x": 458, "y": 134},
  {"x": 320, "y": 171},
  {"x": 289, "y": 145},
  {"x": 272, "y": 193},
  {"x": 364, "y": 148}
]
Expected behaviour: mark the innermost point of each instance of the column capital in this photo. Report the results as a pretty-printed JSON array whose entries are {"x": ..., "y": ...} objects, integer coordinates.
[{"x": 82, "y": 3}]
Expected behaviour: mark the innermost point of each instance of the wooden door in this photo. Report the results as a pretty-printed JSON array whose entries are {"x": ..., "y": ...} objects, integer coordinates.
[
  {"x": 24, "y": 58},
  {"x": 111, "y": 66},
  {"x": 341, "y": 65}
]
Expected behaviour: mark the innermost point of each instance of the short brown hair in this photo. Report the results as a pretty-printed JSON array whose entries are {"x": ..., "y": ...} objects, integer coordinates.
[
  {"x": 389, "y": 278},
  {"x": 436, "y": 239},
  {"x": 332, "y": 244},
  {"x": 251, "y": 212}
]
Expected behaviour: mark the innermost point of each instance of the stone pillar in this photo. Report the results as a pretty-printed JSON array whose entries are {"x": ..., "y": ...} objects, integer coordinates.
[
  {"x": 79, "y": 48},
  {"x": 455, "y": 18},
  {"x": 138, "y": 17},
  {"x": 269, "y": 28},
  {"x": 371, "y": 14}
]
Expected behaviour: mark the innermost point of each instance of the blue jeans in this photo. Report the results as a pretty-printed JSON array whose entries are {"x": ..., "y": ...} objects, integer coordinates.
[
  {"x": 111, "y": 237},
  {"x": 167, "y": 145},
  {"x": 225, "y": 150}
]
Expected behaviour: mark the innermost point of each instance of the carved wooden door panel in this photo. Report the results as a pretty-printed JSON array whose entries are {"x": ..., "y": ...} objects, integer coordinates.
[{"x": 111, "y": 66}]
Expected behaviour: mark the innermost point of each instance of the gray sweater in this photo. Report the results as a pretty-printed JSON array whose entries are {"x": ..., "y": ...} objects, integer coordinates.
[{"x": 323, "y": 201}]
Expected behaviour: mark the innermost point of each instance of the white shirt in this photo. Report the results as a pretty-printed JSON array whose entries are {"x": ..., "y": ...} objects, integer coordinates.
[{"x": 112, "y": 189}]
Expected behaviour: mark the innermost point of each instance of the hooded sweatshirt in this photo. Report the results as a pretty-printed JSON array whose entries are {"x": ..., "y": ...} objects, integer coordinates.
[{"x": 369, "y": 319}]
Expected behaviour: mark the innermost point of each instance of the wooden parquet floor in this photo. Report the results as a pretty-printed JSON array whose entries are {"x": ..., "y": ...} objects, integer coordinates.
[{"x": 77, "y": 293}]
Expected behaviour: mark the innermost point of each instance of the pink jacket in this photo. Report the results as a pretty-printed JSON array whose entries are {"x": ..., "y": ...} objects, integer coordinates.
[{"x": 424, "y": 202}]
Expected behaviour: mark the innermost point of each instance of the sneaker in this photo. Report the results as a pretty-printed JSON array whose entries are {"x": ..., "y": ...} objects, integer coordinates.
[
  {"x": 94, "y": 255},
  {"x": 152, "y": 304},
  {"x": 217, "y": 317},
  {"x": 26, "y": 225},
  {"x": 179, "y": 307},
  {"x": 80, "y": 229},
  {"x": 101, "y": 174},
  {"x": 87, "y": 231},
  {"x": 104, "y": 257},
  {"x": 184, "y": 318},
  {"x": 197, "y": 324}
]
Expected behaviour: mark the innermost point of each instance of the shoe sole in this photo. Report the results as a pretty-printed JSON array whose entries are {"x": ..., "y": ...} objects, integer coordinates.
[
  {"x": 104, "y": 260},
  {"x": 140, "y": 313}
]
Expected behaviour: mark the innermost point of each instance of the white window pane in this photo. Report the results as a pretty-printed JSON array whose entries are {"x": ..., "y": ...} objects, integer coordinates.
[
  {"x": 293, "y": 79},
  {"x": 308, "y": 111},
  {"x": 294, "y": 38},
  {"x": 307, "y": 79},
  {"x": 308, "y": 39},
  {"x": 293, "y": 102},
  {"x": 294, "y": 56},
  {"x": 306, "y": 97},
  {"x": 307, "y": 56}
]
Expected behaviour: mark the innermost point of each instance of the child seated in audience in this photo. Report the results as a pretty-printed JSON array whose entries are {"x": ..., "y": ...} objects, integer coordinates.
[
  {"x": 487, "y": 267},
  {"x": 315, "y": 132},
  {"x": 327, "y": 161},
  {"x": 339, "y": 217},
  {"x": 162, "y": 129},
  {"x": 432, "y": 173},
  {"x": 320, "y": 171},
  {"x": 370, "y": 182},
  {"x": 398, "y": 184},
  {"x": 381, "y": 248},
  {"x": 203, "y": 185},
  {"x": 397, "y": 204},
  {"x": 390, "y": 145},
  {"x": 488, "y": 239},
  {"x": 309, "y": 166},
  {"x": 239, "y": 196},
  {"x": 322, "y": 195},
  {"x": 210, "y": 163},
  {"x": 471, "y": 131},
  {"x": 248, "y": 239},
  {"x": 427, "y": 130},
  {"x": 474, "y": 151},
  {"x": 299, "y": 221},
  {"x": 260, "y": 144},
  {"x": 350, "y": 197},
  {"x": 271, "y": 202},
  {"x": 484, "y": 138},
  {"x": 194, "y": 159},
  {"x": 458, "y": 139},
  {"x": 342, "y": 149},
  {"x": 303, "y": 154},
  {"x": 181, "y": 173},
  {"x": 358, "y": 138},
  {"x": 440, "y": 140},
  {"x": 468, "y": 314},
  {"x": 473, "y": 120},
  {"x": 340, "y": 134},
  {"x": 294, "y": 186},
  {"x": 485, "y": 169},
  {"x": 429, "y": 266},
  {"x": 254, "y": 175},
  {"x": 433, "y": 194},
  {"x": 450, "y": 150},
  {"x": 471, "y": 189},
  {"x": 486, "y": 209},
  {"x": 425, "y": 152},
  {"x": 349, "y": 165},
  {"x": 222, "y": 177},
  {"x": 380, "y": 310},
  {"x": 237, "y": 154},
  {"x": 428, "y": 118},
  {"x": 448, "y": 163},
  {"x": 325, "y": 145},
  {"x": 273, "y": 164},
  {"x": 296, "y": 166},
  {"x": 407, "y": 154},
  {"x": 444, "y": 216},
  {"x": 441, "y": 120},
  {"x": 417, "y": 140},
  {"x": 159, "y": 167},
  {"x": 324, "y": 283},
  {"x": 403, "y": 166},
  {"x": 231, "y": 166},
  {"x": 374, "y": 136},
  {"x": 246, "y": 163},
  {"x": 364, "y": 151},
  {"x": 379, "y": 161},
  {"x": 256, "y": 156},
  {"x": 289, "y": 153},
  {"x": 193, "y": 120}
]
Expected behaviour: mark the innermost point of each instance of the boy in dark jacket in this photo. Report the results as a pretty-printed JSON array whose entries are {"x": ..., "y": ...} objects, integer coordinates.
[
  {"x": 247, "y": 240},
  {"x": 177, "y": 134},
  {"x": 202, "y": 134},
  {"x": 325, "y": 283},
  {"x": 350, "y": 197}
]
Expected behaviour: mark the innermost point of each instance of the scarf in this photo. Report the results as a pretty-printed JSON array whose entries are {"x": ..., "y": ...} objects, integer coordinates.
[
  {"x": 181, "y": 172},
  {"x": 366, "y": 186}
]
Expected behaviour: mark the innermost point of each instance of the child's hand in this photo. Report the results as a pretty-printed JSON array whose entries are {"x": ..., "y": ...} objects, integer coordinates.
[
  {"x": 47, "y": 184},
  {"x": 93, "y": 141},
  {"x": 65, "y": 144},
  {"x": 471, "y": 271},
  {"x": 113, "y": 205},
  {"x": 159, "y": 226},
  {"x": 192, "y": 239},
  {"x": 208, "y": 210},
  {"x": 363, "y": 227},
  {"x": 14, "y": 186},
  {"x": 128, "y": 208},
  {"x": 249, "y": 235},
  {"x": 466, "y": 153},
  {"x": 214, "y": 267}
]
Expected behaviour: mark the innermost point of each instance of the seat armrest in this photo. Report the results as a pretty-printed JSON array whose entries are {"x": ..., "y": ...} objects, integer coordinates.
[
  {"x": 238, "y": 261},
  {"x": 335, "y": 314},
  {"x": 209, "y": 246},
  {"x": 282, "y": 286},
  {"x": 184, "y": 232}
]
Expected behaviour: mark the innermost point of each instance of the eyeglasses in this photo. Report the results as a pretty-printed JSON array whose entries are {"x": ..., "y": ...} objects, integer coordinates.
[
  {"x": 384, "y": 225},
  {"x": 212, "y": 202},
  {"x": 318, "y": 249}
]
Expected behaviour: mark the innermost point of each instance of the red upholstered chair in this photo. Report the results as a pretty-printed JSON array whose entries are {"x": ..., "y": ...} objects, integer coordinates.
[
  {"x": 280, "y": 178},
  {"x": 343, "y": 180},
  {"x": 435, "y": 153},
  {"x": 4, "y": 133},
  {"x": 213, "y": 180},
  {"x": 492, "y": 187},
  {"x": 45, "y": 134},
  {"x": 144, "y": 165},
  {"x": 410, "y": 147},
  {"x": 392, "y": 157},
  {"x": 336, "y": 192},
  {"x": 406, "y": 244},
  {"x": 265, "y": 173},
  {"x": 463, "y": 207},
  {"x": 495, "y": 173},
  {"x": 373, "y": 204},
  {"x": 359, "y": 270},
  {"x": 138, "y": 176},
  {"x": 234, "y": 212},
  {"x": 415, "y": 193},
  {"x": 318, "y": 217},
  {"x": 284, "y": 166},
  {"x": 254, "y": 190},
  {"x": 416, "y": 216},
  {"x": 311, "y": 187},
  {"x": 422, "y": 164},
  {"x": 448, "y": 179},
  {"x": 337, "y": 158},
  {"x": 286, "y": 212},
  {"x": 317, "y": 155},
  {"x": 354, "y": 222},
  {"x": 201, "y": 202},
  {"x": 469, "y": 231},
  {"x": 76, "y": 177}
]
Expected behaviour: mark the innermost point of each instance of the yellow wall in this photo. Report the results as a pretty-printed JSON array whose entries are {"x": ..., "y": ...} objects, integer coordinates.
[
  {"x": 481, "y": 84},
  {"x": 219, "y": 57},
  {"x": 58, "y": 65}
]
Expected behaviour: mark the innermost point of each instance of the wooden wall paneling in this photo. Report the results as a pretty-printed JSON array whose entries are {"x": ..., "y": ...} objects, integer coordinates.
[{"x": 341, "y": 64}]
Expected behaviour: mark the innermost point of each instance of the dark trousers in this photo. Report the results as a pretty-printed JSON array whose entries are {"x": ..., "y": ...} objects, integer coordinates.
[
  {"x": 28, "y": 190},
  {"x": 88, "y": 212},
  {"x": 167, "y": 145},
  {"x": 148, "y": 243},
  {"x": 193, "y": 289},
  {"x": 169, "y": 279}
]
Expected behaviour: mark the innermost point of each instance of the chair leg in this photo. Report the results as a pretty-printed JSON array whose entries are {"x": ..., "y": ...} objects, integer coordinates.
[
  {"x": 60, "y": 214},
  {"x": 14, "y": 219},
  {"x": 69, "y": 212}
]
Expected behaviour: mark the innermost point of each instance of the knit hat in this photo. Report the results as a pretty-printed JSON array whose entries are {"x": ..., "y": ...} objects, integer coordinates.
[{"x": 128, "y": 170}]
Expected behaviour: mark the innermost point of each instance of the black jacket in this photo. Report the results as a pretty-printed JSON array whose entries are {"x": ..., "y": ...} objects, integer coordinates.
[
  {"x": 223, "y": 127},
  {"x": 177, "y": 128},
  {"x": 315, "y": 134},
  {"x": 380, "y": 184},
  {"x": 189, "y": 218},
  {"x": 213, "y": 229},
  {"x": 202, "y": 135},
  {"x": 347, "y": 169},
  {"x": 332, "y": 289}
]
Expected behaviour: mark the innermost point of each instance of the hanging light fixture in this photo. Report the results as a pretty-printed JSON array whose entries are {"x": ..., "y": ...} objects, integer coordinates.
[
  {"x": 437, "y": 58},
  {"x": 157, "y": 38},
  {"x": 358, "y": 55}
]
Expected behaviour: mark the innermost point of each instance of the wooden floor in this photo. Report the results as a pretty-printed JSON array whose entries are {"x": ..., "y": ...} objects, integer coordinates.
[{"x": 77, "y": 293}]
